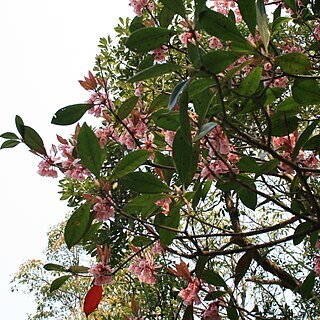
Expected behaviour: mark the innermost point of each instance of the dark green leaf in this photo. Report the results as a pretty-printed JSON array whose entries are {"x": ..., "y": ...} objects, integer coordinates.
[
  {"x": 232, "y": 313},
  {"x": 162, "y": 100},
  {"x": 277, "y": 23},
  {"x": 166, "y": 161},
  {"x": 176, "y": 6},
  {"x": 53, "y": 267},
  {"x": 214, "y": 295},
  {"x": 282, "y": 126},
  {"x": 242, "y": 266},
  {"x": 248, "y": 164},
  {"x": 70, "y": 114},
  {"x": 248, "y": 13},
  {"x": 9, "y": 144},
  {"x": 306, "y": 91},
  {"x": 9, "y": 135},
  {"x": 19, "y": 125},
  {"x": 250, "y": 83},
  {"x": 127, "y": 106},
  {"x": 294, "y": 63},
  {"x": 140, "y": 241},
  {"x": 188, "y": 313},
  {"x": 146, "y": 62},
  {"x": 155, "y": 71},
  {"x": 90, "y": 152},
  {"x": 218, "y": 25},
  {"x": 77, "y": 225},
  {"x": 33, "y": 140},
  {"x": 167, "y": 120},
  {"x": 78, "y": 269},
  {"x": 144, "y": 182},
  {"x": 313, "y": 143},
  {"x": 262, "y": 22},
  {"x": 300, "y": 228},
  {"x": 248, "y": 197},
  {"x": 307, "y": 285},
  {"x": 197, "y": 86},
  {"x": 213, "y": 278},
  {"x": 269, "y": 166},
  {"x": 176, "y": 92},
  {"x": 303, "y": 139},
  {"x": 203, "y": 130},
  {"x": 288, "y": 105},
  {"x": 194, "y": 52},
  {"x": 129, "y": 163},
  {"x": 146, "y": 39},
  {"x": 57, "y": 283},
  {"x": 182, "y": 156},
  {"x": 165, "y": 17}
]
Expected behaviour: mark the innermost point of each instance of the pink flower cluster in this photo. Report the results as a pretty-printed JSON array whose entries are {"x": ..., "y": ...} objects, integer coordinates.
[
  {"x": 224, "y": 6},
  {"x": 143, "y": 266},
  {"x": 139, "y": 5},
  {"x": 104, "y": 210},
  {"x": 159, "y": 53},
  {"x": 100, "y": 102},
  {"x": 285, "y": 146},
  {"x": 102, "y": 274},
  {"x": 188, "y": 36},
  {"x": 190, "y": 294},
  {"x": 215, "y": 43},
  {"x": 164, "y": 204},
  {"x": 211, "y": 313},
  {"x": 47, "y": 169}
]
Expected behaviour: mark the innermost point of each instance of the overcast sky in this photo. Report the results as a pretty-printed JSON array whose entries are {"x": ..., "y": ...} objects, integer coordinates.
[{"x": 46, "y": 46}]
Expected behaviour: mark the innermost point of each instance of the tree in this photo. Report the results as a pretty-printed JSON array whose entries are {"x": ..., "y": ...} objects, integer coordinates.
[{"x": 203, "y": 177}]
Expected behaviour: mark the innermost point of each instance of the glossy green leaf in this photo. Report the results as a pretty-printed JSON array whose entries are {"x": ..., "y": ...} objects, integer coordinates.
[
  {"x": 57, "y": 283},
  {"x": 307, "y": 285},
  {"x": 176, "y": 6},
  {"x": 129, "y": 163},
  {"x": 127, "y": 106},
  {"x": 144, "y": 182},
  {"x": 165, "y": 17},
  {"x": 155, "y": 71},
  {"x": 306, "y": 91},
  {"x": 248, "y": 196},
  {"x": 172, "y": 220},
  {"x": 146, "y": 39},
  {"x": 300, "y": 228},
  {"x": 182, "y": 156},
  {"x": 9, "y": 135},
  {"x": 262, "y": 22},
  {"x": 90, "y": 152},
  {"x": 162, "y": 100},
  {"x": 33, "y": 140},
  {"x": 294, "y": 63},
  {"x": 54, "y": 267},
  {"x": 77, "y": 225},
  {"x": 250, "y": 83},
  {"x": 218, "y": 61},
  {"x": 282, "y": 125},
  {"x": 167, "y": 120},
  {"x": 242, "y": 266},
  {"x": 248, "y": 13},
  {"x": 248, "y": 164},
  {"x": 203, "y": 130},
  {"x": 70, "y": 114},
  {"x": 218, "y": 25},
  {"x": 19, "y": 125},
  {"x": 213, "y": 278},
  {"x": 176, "y": 92},
  {"x": 140, "y": 241},
  {"x": 303, "y": 138},
  {"x": 9, "y": 144}
]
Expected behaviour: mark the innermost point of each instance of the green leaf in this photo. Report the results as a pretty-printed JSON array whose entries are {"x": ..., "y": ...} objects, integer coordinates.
[
  {"x": 9, "y": 135},
  {"x": 146, "y": 62},
  {"x": 129, "y": 163},
  {"x": 313, "y": 143},
  {"x": 218, "y": 25},
  {"x": 77, "y": 225},
  {"x": 144, "y": 205},
  {"x": 300, "y": 228},
  {"x": 203, "y": 130},
  {"x": 248, "y": 164},
  {"x": 214, "y": 295},
  {"x": 277, "y": 23},
  {"x": 32, "y": 139},
  {"x": 307, "y": 285},
  {"x": 282, "y": 126},
  {"x": 176, "y": 6},
  {"x": 162, "y": 100},
  {"x": 57, "y": 283},
  {"x": 9, "y": 144},
  {"x": 146, "y": 39},
  {"x": 248, "y": 13},
  {"x": 188, "y": 313},
  {"x": 218, "y": 61},
  {"x": 242, "y": 266},
  {"x": 213, "y": 278},
  {"x": 294, "y": 63},
  {"x": 248, "y": 197},
  {"x": 269, "y": 166},
  {"x": 176, "y": 92},
  {"x": 232, "y": 313},
  {"x": 306, "y": 91},
  {"x": 182, "y": 156},
  {"x": 19, "y": 125},
  {"x": 197, "y": 86},
  {"x": 155, "y": 71},
  {"x": 140, "y": 241},
  {"x": 70, "y": 114},
  {"x": 165, "y": 160},
  {"x": 250, "y": 83},
  {"x": 172, "y": 220},
  {"x": 78, "y": 269},
  {"x": 262, "y": 22},
  {"x": 288, "y": 105},
  {"x": 167, "y": 120},
  {"x": 90, "y": 152},
  {"x": 127, "y": 106},
  {"x": 144, "y": 182},
  {"x": 165, "y": 17},
  {"x": 303, "y": 138},
  {"x": 53, "y": 267}
]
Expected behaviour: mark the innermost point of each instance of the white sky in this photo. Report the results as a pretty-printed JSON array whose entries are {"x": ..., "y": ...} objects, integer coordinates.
[{"x": 46, "y": 46}]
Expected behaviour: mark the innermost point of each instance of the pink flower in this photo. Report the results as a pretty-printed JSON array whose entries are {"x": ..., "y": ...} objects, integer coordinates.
[
  {"x": 157, "y": 248},
  {"x": 139, "y": 5},
  {"x": 102, "y": 274},
  {"x": 165, "y": 204},
  {"x": 317, "y": 266},
  {"x": 211, "y": 313},
  {"x": 190, "y": 294},
  {"x": 280, "y": 82},
  {"x": 317, "y": 32},
  {"x": 104, "y": 210},
  {"x": 215, "y": 43},
  {"x": 46, "y": 169},
  {"x": 159, "y": 53},
  {"x": 138, "y": 89},
  {"x": 77, "y": 171}
]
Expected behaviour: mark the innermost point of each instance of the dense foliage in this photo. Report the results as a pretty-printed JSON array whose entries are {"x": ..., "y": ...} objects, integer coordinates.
[{"x": 201, "y": 178}]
